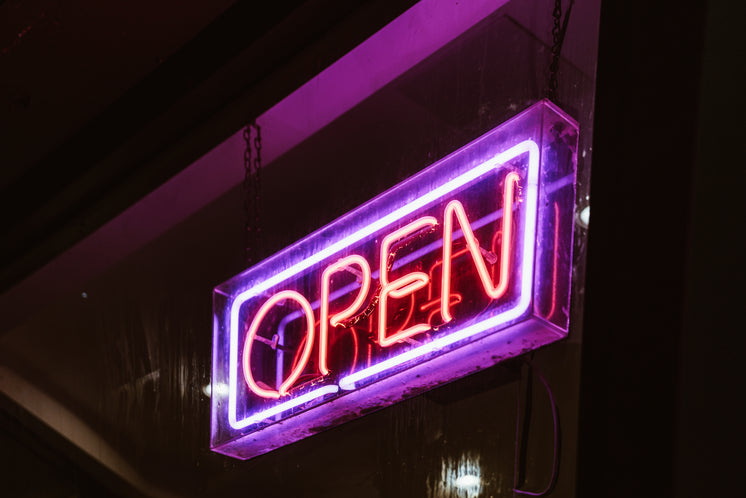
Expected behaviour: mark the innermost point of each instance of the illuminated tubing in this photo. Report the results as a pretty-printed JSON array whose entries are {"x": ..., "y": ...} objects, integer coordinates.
[
  {"x": 280, "y": 296},
  {"x": 403, "y": 286},
  {"x": 287, "y": 405},
  {"x": 531, "y": 202},
  {"x": 337, "y": 318},
  {"x": 348, "y": 382}
]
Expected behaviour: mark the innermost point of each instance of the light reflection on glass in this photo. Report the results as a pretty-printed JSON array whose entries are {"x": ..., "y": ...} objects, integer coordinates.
[
  {"x": 459, "y": 478},
  {"x": 467, "y": 481},
  {"x": 221, "y": 389}
]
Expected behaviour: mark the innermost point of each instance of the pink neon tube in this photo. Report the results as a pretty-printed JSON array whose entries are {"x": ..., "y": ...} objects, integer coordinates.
[
  {"x": 493, "y": 291},
  {"x": 402, "y": 286},
  {"x": 248, "y": 376},
  {"x": 337, "y": 318},
  {"x": 348, "y": 382}
]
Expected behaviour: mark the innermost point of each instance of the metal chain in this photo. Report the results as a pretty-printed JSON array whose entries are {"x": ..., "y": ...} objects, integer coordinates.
[
  {"x": 559, "y": 29},
  {"x": 252, "y": 189},
  {"x": 257, "y": 185},
  {"x": 556, "y": 47}
]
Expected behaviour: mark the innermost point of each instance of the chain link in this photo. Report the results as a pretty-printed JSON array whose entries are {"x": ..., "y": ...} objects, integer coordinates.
[
  {"x": 257, "y": 184},
  {"x": 252, "y": 189},
  {"x": 556, "y": 47},
  {"x": 559, "y": 29}
]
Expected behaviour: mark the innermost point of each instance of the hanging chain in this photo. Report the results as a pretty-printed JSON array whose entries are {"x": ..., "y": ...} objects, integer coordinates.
[
  {"x": 257, "y": 187},
  {"x": 252, "y": 188},
  {"x": 559, "y": 29},
  {"x": 257, "y": 178},
  {"x": 554, "y": 65}
]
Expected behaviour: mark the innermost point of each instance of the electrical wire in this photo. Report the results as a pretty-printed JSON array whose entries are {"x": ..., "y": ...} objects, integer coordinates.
[{"x": 555, "y": 419}]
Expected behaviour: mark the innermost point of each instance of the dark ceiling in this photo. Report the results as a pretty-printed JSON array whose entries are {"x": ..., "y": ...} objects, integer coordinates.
[
  {"x": 65, "y": 63},
  {"x": 103, "y": 101}
]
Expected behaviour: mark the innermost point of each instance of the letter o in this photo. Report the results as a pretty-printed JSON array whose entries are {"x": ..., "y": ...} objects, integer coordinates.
[{"x": 280, "y": 296}]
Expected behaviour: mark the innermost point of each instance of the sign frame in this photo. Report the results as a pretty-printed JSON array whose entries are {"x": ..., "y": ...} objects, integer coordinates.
[{"x": 543, "y": 139}]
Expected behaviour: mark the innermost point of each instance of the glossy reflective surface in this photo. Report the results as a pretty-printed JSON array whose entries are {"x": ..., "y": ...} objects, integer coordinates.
[{"x": 439, "y": 292}]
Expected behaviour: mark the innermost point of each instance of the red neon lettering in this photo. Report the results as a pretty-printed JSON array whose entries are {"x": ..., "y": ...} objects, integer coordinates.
[
  {"x": 338, "y": 318},
  {"x": 407, "y": 284},
  {"x": 432, "y": 275},
  {"x": 300, "y": 366},
  {"x": 403, "y": 286},
  {"x": 355, "y": 345},
  {"x": 493, "y": 291},
  {"x": 435, "y": 303}
]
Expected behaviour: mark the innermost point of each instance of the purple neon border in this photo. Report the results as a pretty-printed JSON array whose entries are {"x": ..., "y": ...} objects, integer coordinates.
[
  {"x": 531, "y": 189},
  {"x": 436, "y": 245}
]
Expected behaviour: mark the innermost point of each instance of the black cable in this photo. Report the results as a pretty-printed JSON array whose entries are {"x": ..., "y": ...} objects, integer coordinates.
[{"x": 520, "y": 456}]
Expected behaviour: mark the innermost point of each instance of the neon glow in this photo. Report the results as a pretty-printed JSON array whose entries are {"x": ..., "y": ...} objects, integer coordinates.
[
  {"x": 455, "y": 207},
  {"x": 527, "y": 146},
  {"x": 555, "y": 260},
  {"x": 338, "y": 318},
  {"x": 436, "y": 291},
  {"x": 349, "y": 382},
  {"x": 288, "y": 405},
  {"x": 402, "y": 286},
  {"x": 251, "y": 337}
]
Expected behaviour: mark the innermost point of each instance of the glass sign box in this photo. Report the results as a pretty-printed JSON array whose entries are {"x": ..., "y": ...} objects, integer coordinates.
[{"x": 453, "y": 270}]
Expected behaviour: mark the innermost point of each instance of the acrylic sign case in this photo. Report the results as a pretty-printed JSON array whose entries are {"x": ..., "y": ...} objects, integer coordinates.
[{"x": 453, "y": 270}]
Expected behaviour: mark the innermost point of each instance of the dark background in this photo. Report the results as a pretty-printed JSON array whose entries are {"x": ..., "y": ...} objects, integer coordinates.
[
  {"x": 661, "y": 387},
  {"x": 661, "y": 363}
]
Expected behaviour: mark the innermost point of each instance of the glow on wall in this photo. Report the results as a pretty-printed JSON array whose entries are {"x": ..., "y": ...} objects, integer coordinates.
[{"x": 455, "y": 269}]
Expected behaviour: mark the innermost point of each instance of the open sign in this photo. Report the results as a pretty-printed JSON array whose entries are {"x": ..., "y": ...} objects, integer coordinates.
[{"x": 458, "y": 267}]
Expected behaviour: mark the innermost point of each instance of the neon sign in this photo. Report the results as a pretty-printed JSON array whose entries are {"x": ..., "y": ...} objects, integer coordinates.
[{"x": 453, "y": 270}]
